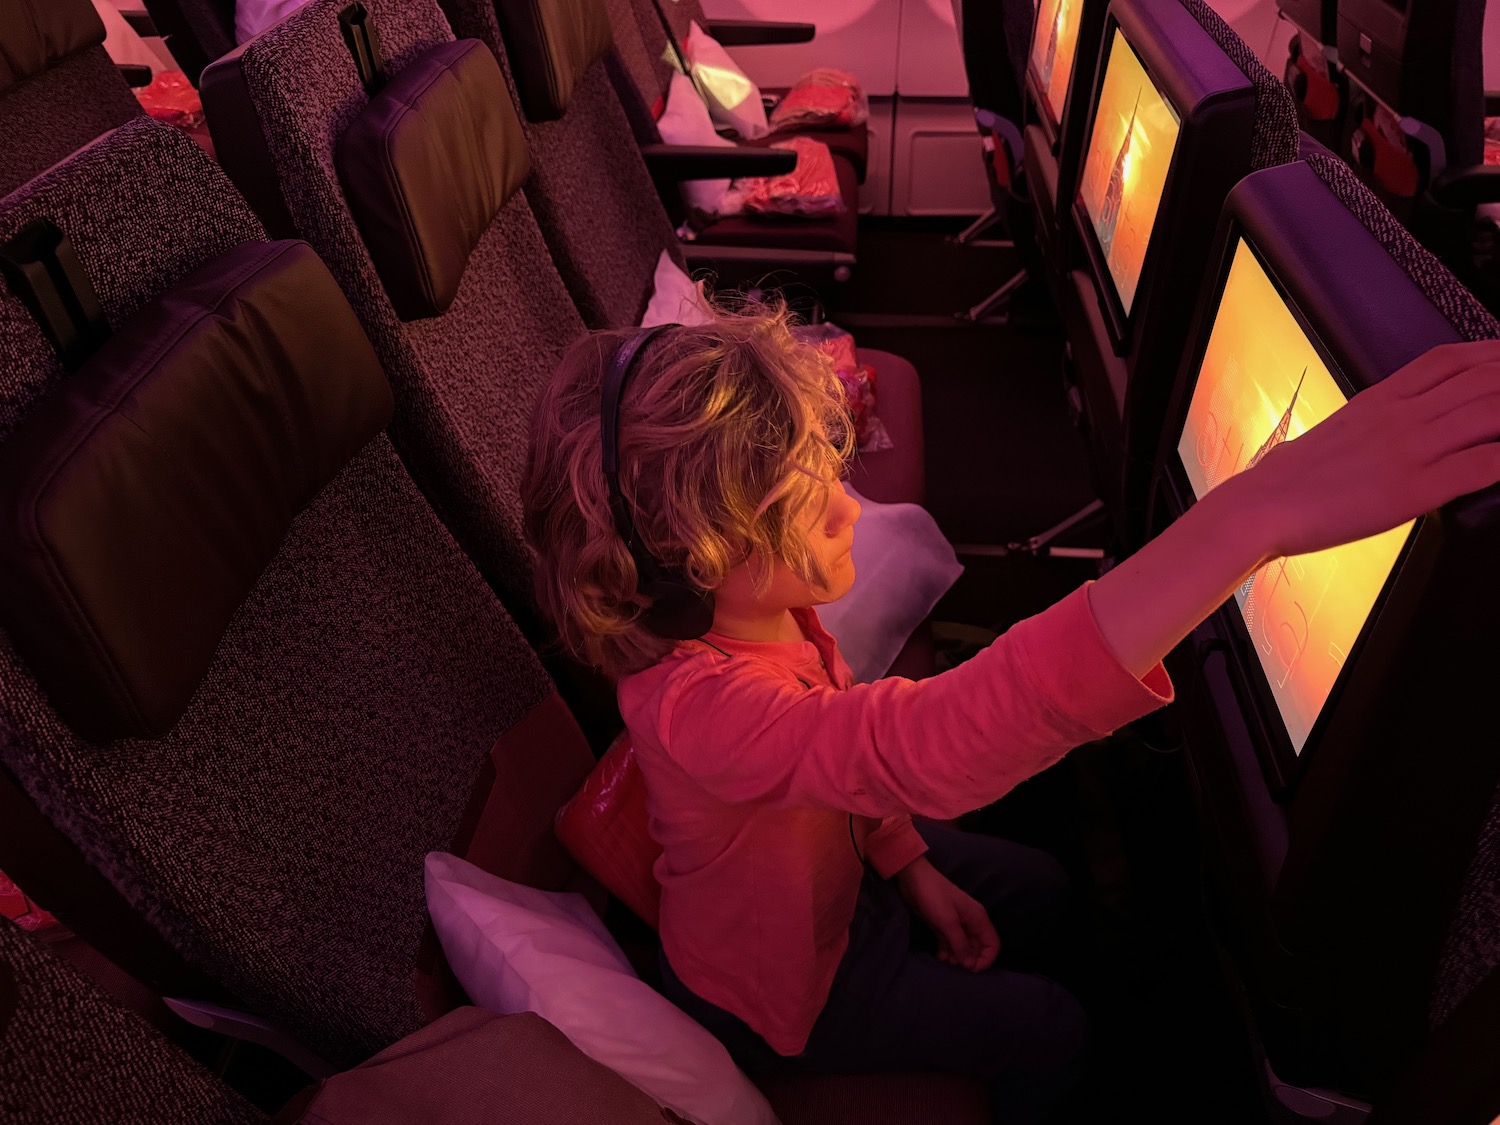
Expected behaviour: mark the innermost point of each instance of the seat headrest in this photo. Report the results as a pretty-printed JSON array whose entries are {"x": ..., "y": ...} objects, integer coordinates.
[
  {"x": 142, "y": 499},
  {"x": 34, "y": 34},
  {"x": 549, "y": 44},
  {"x": 427, "y": 166}
]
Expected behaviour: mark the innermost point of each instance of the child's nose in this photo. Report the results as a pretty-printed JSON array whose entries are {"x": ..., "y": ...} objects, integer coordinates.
[{"x": 843, "y": 512}]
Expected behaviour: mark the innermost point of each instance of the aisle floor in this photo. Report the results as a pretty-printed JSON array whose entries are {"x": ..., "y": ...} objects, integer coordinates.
[{"x": 1005, "y": 461}]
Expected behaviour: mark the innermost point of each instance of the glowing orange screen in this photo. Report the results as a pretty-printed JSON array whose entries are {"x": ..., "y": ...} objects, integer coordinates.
[
  {"x": 1262, "y": 383},
  {"x": 1129, "y": 153},
  {"x": 1053, "y": 46}
]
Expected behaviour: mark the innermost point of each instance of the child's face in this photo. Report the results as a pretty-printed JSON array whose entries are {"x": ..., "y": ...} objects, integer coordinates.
[
  {"x": 829, "y": 534},
  {"x": 830, "y": 538}
]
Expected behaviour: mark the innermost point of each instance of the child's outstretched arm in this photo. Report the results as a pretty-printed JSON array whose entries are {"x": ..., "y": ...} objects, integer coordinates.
[
  {"x": 942, "y": 746},
  {"x": 1403, "y": 447}
]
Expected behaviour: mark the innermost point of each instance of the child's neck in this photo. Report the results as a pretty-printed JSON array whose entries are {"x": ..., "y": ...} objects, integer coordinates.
[{"x": 756, "y": 625}]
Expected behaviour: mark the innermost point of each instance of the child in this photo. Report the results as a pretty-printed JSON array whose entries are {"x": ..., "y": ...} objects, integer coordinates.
[{"x": 773, "y": 782}]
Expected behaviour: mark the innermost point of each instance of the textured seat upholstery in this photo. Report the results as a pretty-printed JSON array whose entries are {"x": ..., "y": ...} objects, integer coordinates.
[
  {"x": 369, "y": 702},
  {"x": 465, "y": 381},
  {"x": 58, "y": 88},
  {"x": 70, "y": 1053},
  {"x": 606, "y": 228},
  {"x": 589, "y": 189}
]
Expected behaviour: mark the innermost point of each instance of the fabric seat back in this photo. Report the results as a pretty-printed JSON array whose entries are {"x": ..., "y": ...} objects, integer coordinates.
[
  {"x": 465, "y": 379},
  {"x": 368, "y": 702},
  {"x": 70, "y": 1053},
  {"x": 58, "y": 88},
  {"x": 589, "y": 189}
]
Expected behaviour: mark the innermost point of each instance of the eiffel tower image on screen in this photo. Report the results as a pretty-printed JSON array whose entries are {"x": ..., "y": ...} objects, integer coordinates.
[
  {"x": 1049, "y": 60},
  {"x": 1114, "y": 194},
  {"x": 1278, "y": 435}
]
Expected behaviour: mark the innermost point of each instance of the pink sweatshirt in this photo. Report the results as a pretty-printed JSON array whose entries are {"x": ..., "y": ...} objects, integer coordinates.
[{"x": 752, "y": 774}]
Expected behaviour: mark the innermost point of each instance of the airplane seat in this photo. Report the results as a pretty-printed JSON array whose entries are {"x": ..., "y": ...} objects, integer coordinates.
[
  {"x": 196, "y": 31},
  {"x": 58, "y": 87},
  {"x": 678, "y": 16},
  {"x": 642, "y": 78},
  {"x": 469, "y": 357},
  {"x": 69, "y": 1053},
  {"x": 287, "y": 709},
  {"x": 1312, "y": 72},
  {"x": 589, "y": 189},
  {"x": 1472, "y": 950},
  {"x": 1314, "y": 858},
  {"x": 994, "y": 39},
  {"x": 1415, "y": 132},
  {"x": 1123, "y": 392},
  {"x": 1454, "y": 1081},
  {"x": 605, "y": 225}
]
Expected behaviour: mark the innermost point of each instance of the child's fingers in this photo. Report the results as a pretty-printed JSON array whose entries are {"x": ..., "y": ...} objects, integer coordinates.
[
  {"x": 989, "y": 948},
  {"x": 981, "y": 941},
  {"x": 1441, "y": 364},
  {"x": 1471, "y": 393},
  {"x": 986, "y": 944}
]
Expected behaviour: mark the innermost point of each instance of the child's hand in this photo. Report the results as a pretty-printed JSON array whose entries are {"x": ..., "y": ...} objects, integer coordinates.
[
  {"x": 965, "y": 934},
  {"x": 1405, "y": 446}
]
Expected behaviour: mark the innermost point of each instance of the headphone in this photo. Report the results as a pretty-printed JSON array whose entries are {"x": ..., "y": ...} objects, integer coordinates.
[{"x": 679, "y": 610}]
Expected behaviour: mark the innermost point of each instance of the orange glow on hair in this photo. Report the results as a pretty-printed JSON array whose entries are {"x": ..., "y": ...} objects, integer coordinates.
[{"x": 729, "y": 433}]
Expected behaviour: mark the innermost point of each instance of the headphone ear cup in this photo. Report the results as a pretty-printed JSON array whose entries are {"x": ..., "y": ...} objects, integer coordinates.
[{"x": 679, "y": 610}]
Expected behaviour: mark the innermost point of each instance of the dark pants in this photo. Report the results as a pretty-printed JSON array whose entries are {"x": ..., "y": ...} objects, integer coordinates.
[{"x": 895, "y": 1006}]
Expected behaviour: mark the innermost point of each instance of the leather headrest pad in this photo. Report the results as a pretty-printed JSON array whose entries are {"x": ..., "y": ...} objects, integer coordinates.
[
  {"x": 34, "y": 34},
  {"x": 143, "y": 498},
  {"x": 427, "y": 166},
  {"x": 549, "y": 44}
]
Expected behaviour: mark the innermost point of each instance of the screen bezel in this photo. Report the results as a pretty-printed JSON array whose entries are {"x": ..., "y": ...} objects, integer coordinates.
[
  {"x": 1280, "y": 761},
  {"x": 1051, "y": 128},
  {"x": 1117, "y": 320}
]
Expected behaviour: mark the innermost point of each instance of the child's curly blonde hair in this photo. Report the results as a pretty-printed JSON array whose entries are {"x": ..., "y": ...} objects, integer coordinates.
[{"x": 728, "y": 433}]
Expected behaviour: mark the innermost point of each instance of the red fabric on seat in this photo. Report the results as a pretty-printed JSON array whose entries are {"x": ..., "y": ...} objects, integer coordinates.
[
  {"x": 897, "y": 475},
  {"x": 838, "y": 234},
  {"x": 605, "y": 827},
  {"x": 852, "y": 144}
]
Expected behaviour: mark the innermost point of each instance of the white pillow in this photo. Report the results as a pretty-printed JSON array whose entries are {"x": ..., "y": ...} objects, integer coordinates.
[
  {"x": 251, "y": 17},
  {"x": 733, "y": 100},
  {"x": 685, "y": 121},
  {"x": 902, "y": 566},
  {"x": 675, "y": 297},
  {"x": 518, "y": 949}
]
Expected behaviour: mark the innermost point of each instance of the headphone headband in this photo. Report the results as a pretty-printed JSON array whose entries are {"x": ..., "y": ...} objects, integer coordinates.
[
  {"x": 612, "y": 391},
  {"x": 679, "y": 610}
]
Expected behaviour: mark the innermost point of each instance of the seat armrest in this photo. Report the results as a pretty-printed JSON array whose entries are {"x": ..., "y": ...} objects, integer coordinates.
[
  {"x": 758, "y": 33},
  {"x": 135, "y": 74},
  {"x": 1463, "y": 188},
  {"x": 140, "y": 22},
  {"x": 712, "y": 162}
]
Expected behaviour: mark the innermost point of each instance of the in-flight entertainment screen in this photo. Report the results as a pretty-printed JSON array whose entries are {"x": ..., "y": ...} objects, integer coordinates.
[
  {"x": 1261, "y": 383},
  {"x": 1129, "y": 153},
  {"x": 1054, "y": 45}
]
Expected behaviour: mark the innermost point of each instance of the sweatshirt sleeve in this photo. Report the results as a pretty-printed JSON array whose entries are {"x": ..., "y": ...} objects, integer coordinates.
[
  {"x": 936, "y": 747},
  {"x": 892, "y": 844}
]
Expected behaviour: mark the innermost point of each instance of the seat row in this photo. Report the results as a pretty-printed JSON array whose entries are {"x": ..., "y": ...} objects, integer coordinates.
[{"x": 311, "y": 658}]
